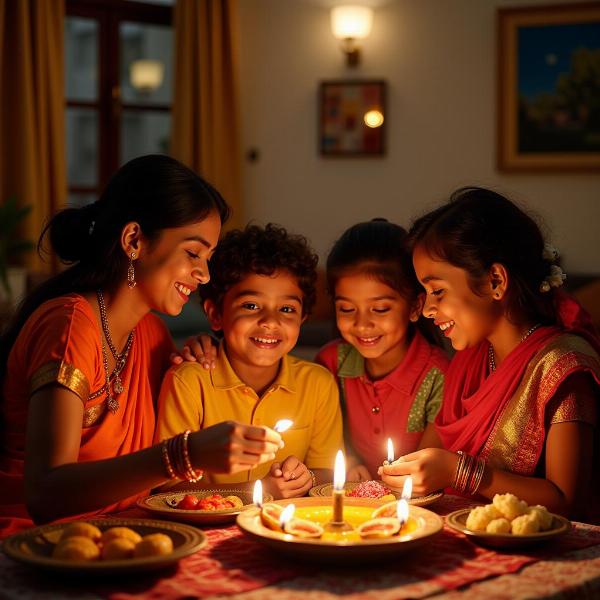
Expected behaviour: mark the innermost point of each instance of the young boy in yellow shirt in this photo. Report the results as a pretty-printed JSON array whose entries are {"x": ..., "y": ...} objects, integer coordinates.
[{"x": 262, "y": 288}]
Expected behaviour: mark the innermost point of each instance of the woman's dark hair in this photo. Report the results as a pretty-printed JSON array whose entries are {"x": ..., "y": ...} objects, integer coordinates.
[
  {"x": 479, "y": 227},
  {"x": 262, "y": 251},
  {"x": 156, "y": 191},
  {"x": 377, "y": 248}
]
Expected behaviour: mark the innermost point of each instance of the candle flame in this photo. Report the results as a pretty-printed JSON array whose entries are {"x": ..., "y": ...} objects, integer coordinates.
[
  {"x": 390, "y": 450},
  {"x": 257, "y": 494},
  {"x": 287, "y": 515},
  {"x": 402, "y": 510},
  {"x": 407, "y": 489},
  {"x": 283, "y": 425},
  {"x": 339, "y": 472}
]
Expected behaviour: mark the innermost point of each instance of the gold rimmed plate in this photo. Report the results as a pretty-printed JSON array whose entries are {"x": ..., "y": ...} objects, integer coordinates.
[
  {"x": 423, "y": 525},
  {"x": 34, "y": 547},
  {"x": 326, "y": 490},
  {"x": 164, "y": 505},
  {"x": 458, "y": 520}
]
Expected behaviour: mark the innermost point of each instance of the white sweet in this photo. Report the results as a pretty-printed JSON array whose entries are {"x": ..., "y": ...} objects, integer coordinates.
[
  {"x": 500, "y": 525},
  {"x": 509, "y": 505},
  {"x": 525, "y": 524},
  {"x": 543, "y": 516}
]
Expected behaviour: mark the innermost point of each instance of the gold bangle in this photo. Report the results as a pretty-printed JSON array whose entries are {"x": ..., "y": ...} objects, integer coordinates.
[
  {"x": 313, "y": 477},
  {"x": 191, "y": 475},
  {"x": 166, "y": 460}
]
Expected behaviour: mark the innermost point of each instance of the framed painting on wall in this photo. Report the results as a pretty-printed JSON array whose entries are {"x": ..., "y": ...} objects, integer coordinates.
[
  {"x": 549, "y": 88},
  {"x": 352, "y": 118}
]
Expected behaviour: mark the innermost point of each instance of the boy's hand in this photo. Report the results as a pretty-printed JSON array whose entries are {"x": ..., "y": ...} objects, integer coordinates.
[
  {"x": 358, "y": 473},
  {"x": 202, "y": 349},
  {"x": 288, "y": 479},
  {"x": 231, "y": 447}
]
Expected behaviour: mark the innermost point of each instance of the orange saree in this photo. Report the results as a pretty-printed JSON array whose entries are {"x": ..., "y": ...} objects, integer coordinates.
[{"x": 60, "y": 344}]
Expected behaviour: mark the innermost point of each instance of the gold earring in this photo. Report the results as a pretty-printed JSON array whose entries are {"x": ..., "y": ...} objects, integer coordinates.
[{"x": 131, "y": 282}]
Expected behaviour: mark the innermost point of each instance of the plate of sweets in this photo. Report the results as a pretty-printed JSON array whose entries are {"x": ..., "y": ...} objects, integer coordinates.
[
  {"x": 365, "y": 531},
  {"x": 374, "y": 490},
  {"x": 200, "y": 507},
  {"x": 508, "y": 522},
  {"x": 104, "y": 545}
]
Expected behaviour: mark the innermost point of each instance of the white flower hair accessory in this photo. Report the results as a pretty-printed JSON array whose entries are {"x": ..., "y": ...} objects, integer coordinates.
[
  {"x": 550, "y": 253},
  {"x": 555, "y": 279}
]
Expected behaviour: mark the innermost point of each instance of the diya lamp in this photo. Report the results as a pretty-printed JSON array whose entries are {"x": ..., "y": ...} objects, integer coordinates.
[
  {"x": 337, "y": 522},
  {"x": 257, "y": 494}
]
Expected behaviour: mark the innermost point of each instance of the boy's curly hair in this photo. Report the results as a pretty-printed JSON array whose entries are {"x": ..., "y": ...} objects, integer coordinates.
[{"x": 262, "y": 251}]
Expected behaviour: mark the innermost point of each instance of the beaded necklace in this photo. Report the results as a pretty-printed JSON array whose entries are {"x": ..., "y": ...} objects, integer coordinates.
[{"x": 492, "y": 354}]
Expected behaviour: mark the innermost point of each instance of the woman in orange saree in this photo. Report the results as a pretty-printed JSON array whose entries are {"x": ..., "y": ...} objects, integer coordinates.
[
  {"x": 520, "y": 404},
  {"x": 81, "y": 364}
]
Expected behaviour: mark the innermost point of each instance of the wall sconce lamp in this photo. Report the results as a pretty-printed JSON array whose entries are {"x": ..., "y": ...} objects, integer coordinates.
[
  {"x": 349, "y": 24},
  {"x": 146, "y": 75}
]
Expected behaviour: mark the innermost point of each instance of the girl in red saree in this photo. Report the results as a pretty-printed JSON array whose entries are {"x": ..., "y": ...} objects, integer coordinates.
[
  {"x": 520, "y": 407},
  {"x": 82, "y": 362}
]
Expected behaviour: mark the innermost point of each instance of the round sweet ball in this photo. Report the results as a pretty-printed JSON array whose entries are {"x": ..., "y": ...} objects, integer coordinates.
[
  {"x": 509, "y": 505},
  {"x": 543, "y": 516},
  {"x": 118, "y": 548},
  {"x": 154, "y": 544},
  {"x": 121, "y": 532},
  {"x": 500, "y": 525},
  {"x": 81, "y": 529},
  {"x": 76, "y": 548},
  {"x": 525, "y": 525},
  {"x": 478, "y": 519}
]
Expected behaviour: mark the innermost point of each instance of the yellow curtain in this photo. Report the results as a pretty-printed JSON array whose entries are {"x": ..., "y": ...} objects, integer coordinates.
[
  {"x": 32, "y": 131},
  {"x": 205, "y": 106}
]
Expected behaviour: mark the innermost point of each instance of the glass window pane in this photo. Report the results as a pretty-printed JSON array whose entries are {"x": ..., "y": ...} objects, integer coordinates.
[
  {"x": 146, "y": 63},
  {"x": 82, "y": 146},
  {"x": 144, "y": 132},
  {"x": 77, "y": 200},
  {"x": 81, "y": 59}
]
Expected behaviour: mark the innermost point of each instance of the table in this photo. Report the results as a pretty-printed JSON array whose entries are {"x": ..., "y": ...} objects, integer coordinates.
[{"x": 233, "y": 567}]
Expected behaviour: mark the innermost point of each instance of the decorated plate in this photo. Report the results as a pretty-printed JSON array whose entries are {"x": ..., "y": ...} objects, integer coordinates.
[
  {"x": 326, "y": 489},
  {"x": 34, "y": 547},
  {"x": 458, "y": 519},
  {"x": 422, "y": 525},
  {"x": 164, "y": 505}
]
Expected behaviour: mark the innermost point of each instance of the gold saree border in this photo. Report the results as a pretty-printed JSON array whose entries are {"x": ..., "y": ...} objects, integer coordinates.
[
  {"x": 517, "y": 437},
  {"x": 73, "y": 379}
]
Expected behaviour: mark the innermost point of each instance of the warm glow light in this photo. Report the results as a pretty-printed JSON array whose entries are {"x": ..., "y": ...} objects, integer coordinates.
[
  {"x": 283, "y": 425},
  {"x": 402, "y": 510},
  {"x": 351, "y": 21},
  {"x": 407, "y": 488},
  {"x": 373, "y": 119},
  {"x": 146, "y": 75},
  {"x": 390, "y": 449},
  {"x": 257, "y": 494},
  {"x": 287, "y": 514},
  {"x": 339, "y": 471}
]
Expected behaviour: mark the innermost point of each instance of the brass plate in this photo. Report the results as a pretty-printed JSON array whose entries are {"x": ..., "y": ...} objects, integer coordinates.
[
  {"x": 342, "y": 552},
  {"x": 326, "y": 489},
  {"x": 458, "y": 519},
  {"x": 34, "y": 547},
  {"x": 158, "y": 505}
]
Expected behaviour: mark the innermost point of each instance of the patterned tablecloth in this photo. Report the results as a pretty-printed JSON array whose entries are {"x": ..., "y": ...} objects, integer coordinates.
[{"x": 232, "y": 567}]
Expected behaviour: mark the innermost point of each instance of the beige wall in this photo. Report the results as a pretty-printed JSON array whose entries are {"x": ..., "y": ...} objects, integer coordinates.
[{"x": 438, "y": 57}]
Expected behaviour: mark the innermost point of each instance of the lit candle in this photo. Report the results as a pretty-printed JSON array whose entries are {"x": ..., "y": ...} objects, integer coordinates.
[
  {"x": 283, "y": 425},
  {"x": 257, "y": 494},
  {"x": 339, "y": 478},
  {"x": 390, "y": 452},
  {"x": 407, "y": 489},
  {"x": 287, "y": 515},
  {"x": 402, "y": 511}
]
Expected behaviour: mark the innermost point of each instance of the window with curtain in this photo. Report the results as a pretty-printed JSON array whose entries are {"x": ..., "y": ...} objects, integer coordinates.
[{"x": 118, "y": 80}]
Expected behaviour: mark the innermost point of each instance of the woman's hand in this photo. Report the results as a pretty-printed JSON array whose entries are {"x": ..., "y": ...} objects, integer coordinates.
[
  {"x": 202, "y": 349},
  {"x": 358, "y": 473},
  {"x": 431, "y": 469},
  {"x": 231, "y": 447},
  {"x": 288, "y": 479}
]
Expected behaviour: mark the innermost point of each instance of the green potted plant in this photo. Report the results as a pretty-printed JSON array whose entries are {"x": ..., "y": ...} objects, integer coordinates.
[{"x": 12, "y": 246}]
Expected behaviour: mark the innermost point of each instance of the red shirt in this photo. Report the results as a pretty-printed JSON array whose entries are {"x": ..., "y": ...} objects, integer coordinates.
[{"x": 398, "y": 406}]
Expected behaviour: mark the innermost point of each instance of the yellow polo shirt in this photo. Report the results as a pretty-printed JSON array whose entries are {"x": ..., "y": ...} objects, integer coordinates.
[{"x": 194, "y": 398}]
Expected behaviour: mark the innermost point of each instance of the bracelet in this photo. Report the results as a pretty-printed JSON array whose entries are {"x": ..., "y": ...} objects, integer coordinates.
[
  {"x": 164, "y": 449},
  {"x": 191, "y": 475},
  {"x": 469, "y": 473},
  {"x": 313, "y": 477}
]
